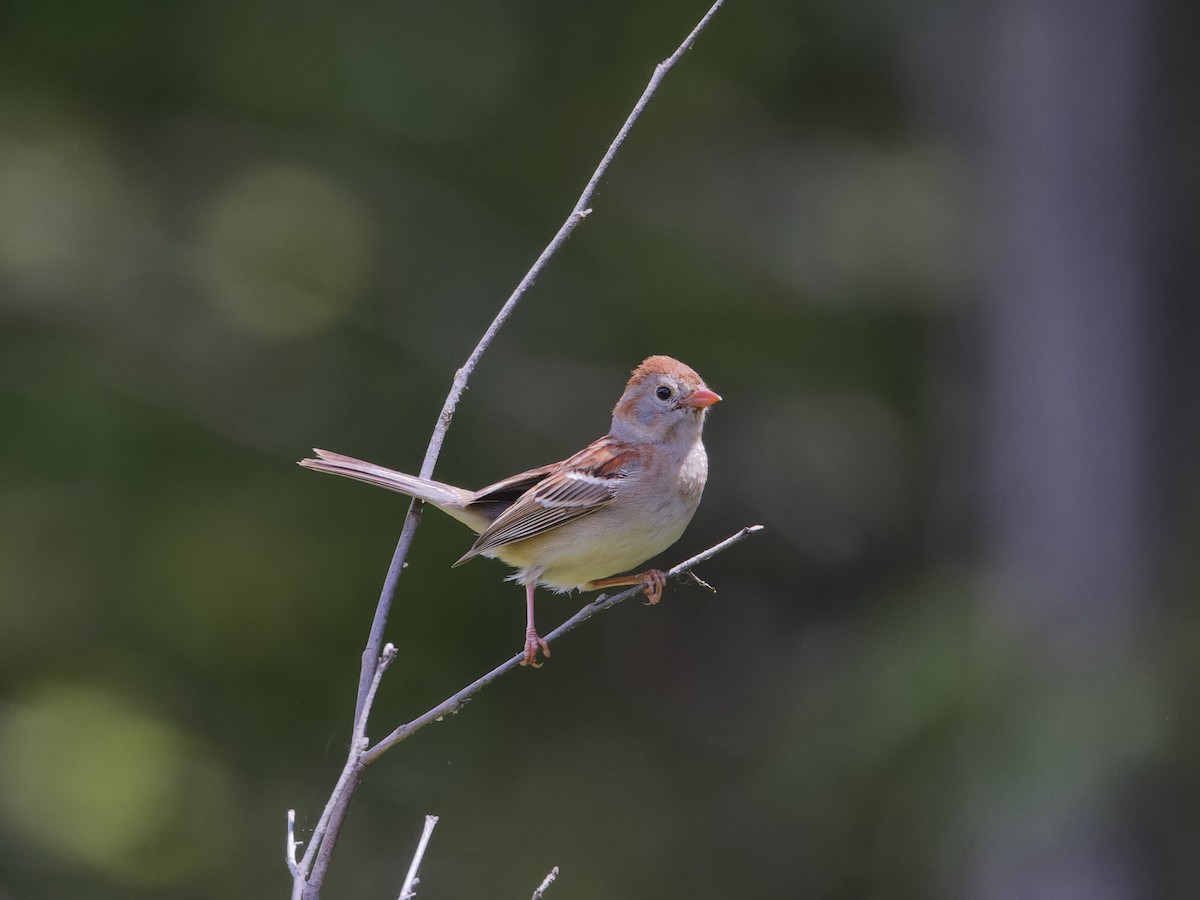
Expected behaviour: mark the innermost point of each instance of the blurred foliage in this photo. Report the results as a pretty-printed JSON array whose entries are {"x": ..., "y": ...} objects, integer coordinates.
[{"x": 232, "y": 231}]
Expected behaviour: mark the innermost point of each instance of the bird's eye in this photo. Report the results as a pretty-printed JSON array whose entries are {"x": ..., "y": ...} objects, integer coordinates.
[{"x": 663, "y": 393}]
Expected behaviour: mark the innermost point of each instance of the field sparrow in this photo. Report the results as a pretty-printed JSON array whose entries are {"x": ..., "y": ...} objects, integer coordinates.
[{"x": 573, "y": 524}]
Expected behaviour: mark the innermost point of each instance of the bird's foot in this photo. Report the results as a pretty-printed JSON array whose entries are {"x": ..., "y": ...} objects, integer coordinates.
[
  {"x": 534, "y": 643},
  {"x": 656, "y": 580}
]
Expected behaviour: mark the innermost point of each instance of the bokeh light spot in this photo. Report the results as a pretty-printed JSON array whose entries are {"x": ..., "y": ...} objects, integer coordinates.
[
  {"x": 62, "y": 206},
  {"x": 284, "y": 251},
  {"x": 87, "y": 775}
]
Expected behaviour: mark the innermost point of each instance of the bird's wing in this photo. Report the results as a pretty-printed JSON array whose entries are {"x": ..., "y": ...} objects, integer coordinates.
[
  {"x": 574, "y": 488},
  {"x": 509, "y": 490}
]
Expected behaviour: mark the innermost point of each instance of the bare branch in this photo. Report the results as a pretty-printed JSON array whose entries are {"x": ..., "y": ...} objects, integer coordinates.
[
  {"x": 381, "y": 666},
  {"x": 546, "y": 882},
  {"x": 578, "y": 212},
  {"x": 325, "y": 834},
  {"x": 309, "y": 873},
  {"x": 453, "y": 704},
  {"x": 408, "y": 891},
  {"x": 292, "y": 844}
]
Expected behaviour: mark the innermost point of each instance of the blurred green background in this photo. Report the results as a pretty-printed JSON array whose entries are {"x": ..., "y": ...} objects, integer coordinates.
[{"x": 941, "y": 261}]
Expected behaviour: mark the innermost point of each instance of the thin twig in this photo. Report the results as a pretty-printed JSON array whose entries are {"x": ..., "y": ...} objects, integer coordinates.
[
  {"x": 408, "y": 891},
  {"x": 578, "y": 212},
  {"x": 452, "y": 704},
  {"x": 292, "y": 844},
  {"x": 309, "y": 875},
  {"x": 385, "y": 660},
  {"x": 700, "y": 582},
  {"x": 546, "y": 882},
  {"x": 323, "y": 835},
  {"x": 329, "y": 825}
]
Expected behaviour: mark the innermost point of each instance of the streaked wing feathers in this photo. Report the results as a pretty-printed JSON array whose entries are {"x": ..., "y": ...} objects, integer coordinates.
[
  {"x": 512, "y": 487},
  {"x": 567, "y": 491}
]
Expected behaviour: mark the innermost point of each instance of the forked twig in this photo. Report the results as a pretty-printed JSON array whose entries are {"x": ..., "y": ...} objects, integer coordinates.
[
  {"x": 308, "y": 874},
  {"x": 578, "y": 212},
  {"x": 452, "y": 704}
]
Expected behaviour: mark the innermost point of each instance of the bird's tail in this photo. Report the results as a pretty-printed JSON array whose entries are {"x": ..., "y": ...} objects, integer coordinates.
[{"x": 452, "y": 500}]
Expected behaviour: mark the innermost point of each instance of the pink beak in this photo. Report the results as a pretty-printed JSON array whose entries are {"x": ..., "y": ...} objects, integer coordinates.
[{"x": 700, "y": 398}]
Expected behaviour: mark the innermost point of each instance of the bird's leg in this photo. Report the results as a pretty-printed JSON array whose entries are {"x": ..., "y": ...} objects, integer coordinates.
[
  {"x": 654, "y": 579},
  {"x": 533, "y": 642}
]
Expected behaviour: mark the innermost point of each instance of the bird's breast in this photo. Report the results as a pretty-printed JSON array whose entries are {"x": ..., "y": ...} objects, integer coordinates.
[{"x": 648, "y": 515}]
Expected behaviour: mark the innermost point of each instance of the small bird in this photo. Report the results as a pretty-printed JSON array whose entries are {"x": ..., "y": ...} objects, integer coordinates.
[{"x": 610, "y": 507}]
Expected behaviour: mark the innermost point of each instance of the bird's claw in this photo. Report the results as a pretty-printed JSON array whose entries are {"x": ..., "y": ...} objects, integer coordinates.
[
  {"x": 656, "y": 580},
  {"x": 534, "y": 643}
]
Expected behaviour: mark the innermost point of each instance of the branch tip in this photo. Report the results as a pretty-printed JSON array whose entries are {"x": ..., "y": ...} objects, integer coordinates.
[
  {"x": 546, "y": 882},
  {"x": 292, "y": 844},
  {"x": 452, "y": 704},
  {"x": 309, "y": 874},
  {"x": 410, "y": 880}
]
